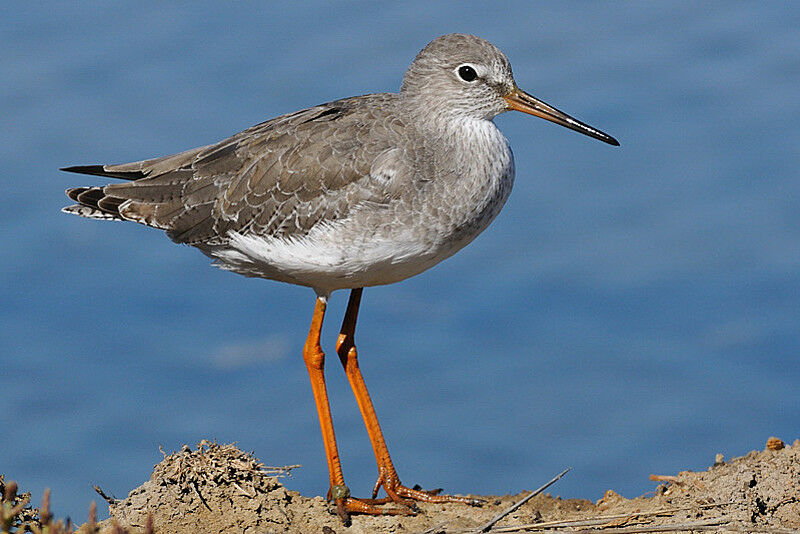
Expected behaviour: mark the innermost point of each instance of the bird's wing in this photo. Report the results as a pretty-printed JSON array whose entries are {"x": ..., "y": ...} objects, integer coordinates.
[{"x": 280, "y": 177}]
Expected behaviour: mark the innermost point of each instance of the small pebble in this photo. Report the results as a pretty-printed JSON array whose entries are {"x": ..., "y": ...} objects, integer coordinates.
[{"x": 775, "y": 444}]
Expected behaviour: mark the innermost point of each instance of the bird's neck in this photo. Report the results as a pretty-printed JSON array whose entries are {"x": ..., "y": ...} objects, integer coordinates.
[{"x": 434, "y": 107}]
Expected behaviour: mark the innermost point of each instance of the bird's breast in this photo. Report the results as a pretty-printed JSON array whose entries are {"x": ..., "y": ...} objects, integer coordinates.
[{"x": 475, "y": 180}]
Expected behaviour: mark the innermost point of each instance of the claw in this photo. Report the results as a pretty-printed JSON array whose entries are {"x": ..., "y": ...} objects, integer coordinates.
[
  {"x": 475, "y": 502},
  {"x": 341, "y": 511},
  {"x": 436, "y": 491}
]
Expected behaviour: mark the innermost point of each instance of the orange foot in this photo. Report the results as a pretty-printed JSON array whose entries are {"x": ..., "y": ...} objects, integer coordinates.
[
  {"x": 396, "y": 493},
  {"x": 346, "y": 505}
]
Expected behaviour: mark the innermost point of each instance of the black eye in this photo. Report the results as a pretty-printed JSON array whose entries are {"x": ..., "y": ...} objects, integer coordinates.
[{"x": 467, "y": 73}]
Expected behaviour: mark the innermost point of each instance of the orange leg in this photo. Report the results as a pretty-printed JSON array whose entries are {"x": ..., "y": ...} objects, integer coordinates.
[
  {"x": 315, "y": 363},
  {"x": 387, "y": 476}
]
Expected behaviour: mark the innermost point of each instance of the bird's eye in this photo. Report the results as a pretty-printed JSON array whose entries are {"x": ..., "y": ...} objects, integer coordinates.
[{"x": 467, "y": 73}]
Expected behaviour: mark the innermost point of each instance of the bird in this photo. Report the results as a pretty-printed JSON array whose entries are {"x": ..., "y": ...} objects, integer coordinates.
[{"x": 353, "y": 193}]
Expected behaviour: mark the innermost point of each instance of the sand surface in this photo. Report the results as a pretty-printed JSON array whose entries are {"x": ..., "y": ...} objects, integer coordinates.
[{"x": 218, "y": 488}]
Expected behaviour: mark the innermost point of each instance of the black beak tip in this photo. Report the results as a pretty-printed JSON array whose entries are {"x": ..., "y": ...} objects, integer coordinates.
[{"x": 611, "y": 141}]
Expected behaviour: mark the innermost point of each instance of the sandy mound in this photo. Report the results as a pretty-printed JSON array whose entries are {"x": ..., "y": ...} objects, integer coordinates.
[{"x": 218, "y": 488}]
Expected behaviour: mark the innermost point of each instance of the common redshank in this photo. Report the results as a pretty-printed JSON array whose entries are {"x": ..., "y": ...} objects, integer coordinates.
[{"x": 358, "y": 192}]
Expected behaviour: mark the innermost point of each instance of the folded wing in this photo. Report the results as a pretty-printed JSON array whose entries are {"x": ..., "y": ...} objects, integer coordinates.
[{"x": 280, "y": 177}]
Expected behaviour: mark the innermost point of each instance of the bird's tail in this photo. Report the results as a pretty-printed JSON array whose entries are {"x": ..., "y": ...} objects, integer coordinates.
[{"x": 93, "y": 203}]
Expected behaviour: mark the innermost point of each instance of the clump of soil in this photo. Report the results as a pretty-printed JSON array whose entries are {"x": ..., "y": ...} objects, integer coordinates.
[
  {"x": 218, "y": 488},
  {"x": 214, "y": 488}
]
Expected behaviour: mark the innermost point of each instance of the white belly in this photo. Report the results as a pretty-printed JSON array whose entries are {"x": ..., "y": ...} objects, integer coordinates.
[{"x": 325, "y": 262}]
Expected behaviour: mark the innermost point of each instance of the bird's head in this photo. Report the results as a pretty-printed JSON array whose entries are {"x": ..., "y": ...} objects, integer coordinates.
[{"x": 463, "y": 75}]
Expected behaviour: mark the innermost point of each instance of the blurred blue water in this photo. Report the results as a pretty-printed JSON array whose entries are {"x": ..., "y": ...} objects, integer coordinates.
[{"x": 631, "y": 311}]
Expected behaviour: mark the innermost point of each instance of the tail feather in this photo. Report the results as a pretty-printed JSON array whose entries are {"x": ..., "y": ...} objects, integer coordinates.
[
  {"x": 93, "y": 203},
  {"x": 154, "y": 194},
  {"x": 110, "y": 204},
  {"x": 106, "y": 170},
  {"x": 75, "y": 192},
  {"x": 91, "y": 196},
  {"x": 91, "y": 213}
]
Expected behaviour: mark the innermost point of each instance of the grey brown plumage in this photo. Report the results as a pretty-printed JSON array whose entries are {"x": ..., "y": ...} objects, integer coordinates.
[{"x": 280, "y": 177}]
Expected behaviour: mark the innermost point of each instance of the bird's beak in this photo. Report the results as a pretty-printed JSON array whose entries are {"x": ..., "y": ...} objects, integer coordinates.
[{"x": 521, "y": 101}]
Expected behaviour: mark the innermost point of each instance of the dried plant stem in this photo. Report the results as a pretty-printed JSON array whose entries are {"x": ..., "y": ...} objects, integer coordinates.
[
  {"x": 110, "y": 500},
  {"x": 599, "y": 520},
  {"x": 663, "y": 478},
  {"x": 488, "y": 526}
]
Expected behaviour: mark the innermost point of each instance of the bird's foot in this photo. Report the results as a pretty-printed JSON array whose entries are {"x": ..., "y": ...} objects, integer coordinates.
[
  {"x": 397, "y": 492},
  {"x": 346, "y": 505}
]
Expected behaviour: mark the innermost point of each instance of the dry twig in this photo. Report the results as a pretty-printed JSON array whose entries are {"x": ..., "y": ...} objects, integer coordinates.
[
  {"x": 488, "y": 526},
  {"x": 663, "y": 478},
  {"x": 672, "y": 527},
  {"x": 600, "y": 520},
  {"x": 110, "y": 500}
]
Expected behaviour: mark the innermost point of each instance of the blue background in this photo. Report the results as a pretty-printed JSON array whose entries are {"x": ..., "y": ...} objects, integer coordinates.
[{"x": 631, "y": 311}]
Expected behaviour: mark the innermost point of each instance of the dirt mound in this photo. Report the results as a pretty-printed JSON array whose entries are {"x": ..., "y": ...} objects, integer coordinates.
[
  {"x": 214, "y": 488},
  {"x": 218, "y": 488}
]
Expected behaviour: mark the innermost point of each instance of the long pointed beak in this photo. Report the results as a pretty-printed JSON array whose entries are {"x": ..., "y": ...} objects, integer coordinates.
[{"x": 519, "y": 100}]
